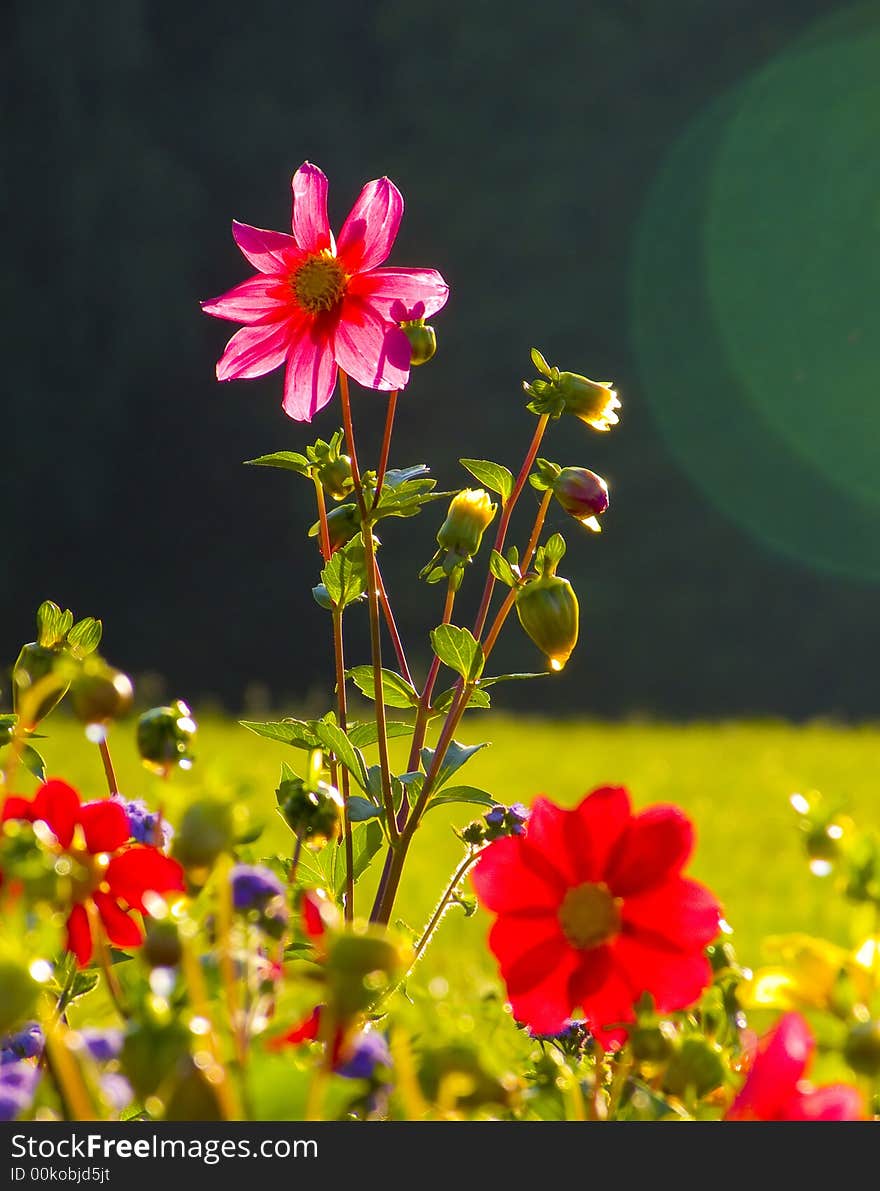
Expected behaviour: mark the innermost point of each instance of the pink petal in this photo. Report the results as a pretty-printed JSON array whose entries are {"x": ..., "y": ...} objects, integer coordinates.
[
  {"x": 654, "y": 846},
  {"x": 375, "y": 353},
  {"x": 311, "y": 373},
  {"x": 383, "y": 288},
  {"x": 254, "y": 351},
  {"x": 371, "y": 228},
  {"x": 680, "y": 911},
  {"x": 311, "y": 228},
  {"x": 270, "y": 252},
  {"x": 259, "y": 299}
]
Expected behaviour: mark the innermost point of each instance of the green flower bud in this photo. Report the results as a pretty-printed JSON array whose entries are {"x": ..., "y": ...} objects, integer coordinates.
[
  {"x": 360, "y": 964},
  {"x": 18, "y": 994},
  {"x": 164, "y": 737},
  {"x": 722, "y": 957},
  {"x": 343, "y": 523},
  {"x": 547, "y": 608},
  {"x": 99, "y": 693},
  {"x": 470, "y": 514},
  {"x": 697, "y": 1065},
  {"x": 313, "y": 815},
  {"x": 862, "y": 1048},
  {"x": 654, "y": 1043},
  {"x": 554, "y": 393},
  {"x": 162, "y": 947},
  {"x": 34, "y": 664},
  {"x": 422, "y": 340},
  {"x": 336, "y": 478},
  {"x": 152, "y": 1053},
  {"x": 206, "y": 831}
]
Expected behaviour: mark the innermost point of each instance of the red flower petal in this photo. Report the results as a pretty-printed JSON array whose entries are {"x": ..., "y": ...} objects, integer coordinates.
[
  {"x": 545, "y": 844},
  {"x": 832, "y": 1102},
  {"x": 79, "y": 935},
  {"x": 140, "y": 870},
  {"x": 311, "y": 228},
  {"x": 306, "y": 1031},
  {"x": 594, "y": 829},
  {"x": 313, "y": 920},
  {"x": 546, "y": 1006},
  {"x": 57, "y": 804},
  {"x": 122, "y": 931},
  {"x": 675, "y": 979},
  {"x": 376, "y": 353},
  {"x": 259, "y": 299},
  {"x": 682, "y": 912},
  {"x": 270, "y": 252},
  {"x": 371, "y": 227},
  {"x": 382, "y": 288},
  {"x": 784, "y": 1054},
  {"x": 311, "y": 370},
  {"x": 601, "y": 991},
  {"x": 654, "y": 846},
  {"x": 15, "y": 807},
  {"x": 505, "y": 884},
  {"x": 514, "y": 939},
  {"x": 254, "y": 351},
  {"x": 105, "y": 825}
]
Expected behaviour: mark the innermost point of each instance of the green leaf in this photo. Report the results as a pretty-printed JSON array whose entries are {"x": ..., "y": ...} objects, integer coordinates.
[
  {"x": 83, "y": 983},
  {"x": 85, "y": 636},
  {"x": 501, "y": 569},
  {"x": 540, "y": 363},
  {"x": 493, "y": 475},
  {"x": 287, "y": 460},
  {"x": 479, "y": 700},
  {"x": 361, "y": 809},
  {"x": 331, "y": 737},
  {"x": 288, "y": 773},
  {"x": 554, "y": 549},
  {"x": 294, "y": 732},
  {"x": 33, "y": 763},
  {"x": 367, "y": 841},
  {"x": 460, "y": 651},
  {"x": 456, "y": 756},
  {"x": 470, "y": 794},
  {"x": 396, "y": 690},
  {"x": 374, "y": 786},
  {"x": 345, "y": 575},
  {"x": 484, "y": 682},
  {"x": 362, "y": 735}
]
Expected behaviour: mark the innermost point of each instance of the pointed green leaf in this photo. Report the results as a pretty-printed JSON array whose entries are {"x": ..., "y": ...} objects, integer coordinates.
[
  {"x": 287, "y": 460},
  {"x": 484, "y": 682},
  {"x": 479, "y": 700},
  {"x": 456, "y": 756},
  {"x": 332, "y": 737},
  {"x": 294, "y": 732},
  {"x": 459, "y": 650},
  {"x": 470, "y": 794},
  {"x": 501, "y": 569},
  {"x": 85, "y": 636},
  {"x": 396, "y": 690},
  {"x": 367, "y": 842},
  {"x": 494, "y": 476},
  {"x": 33, "y": 763},
  {"x": 345, "y": 575},
  {"x": 361, "y": 809},
  {"x": 362, "y": 735}
]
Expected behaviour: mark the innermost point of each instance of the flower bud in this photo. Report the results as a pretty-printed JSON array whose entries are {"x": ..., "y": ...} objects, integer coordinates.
[
  {"x": 696, "y": 1065},
  {"x": 593, "y": 401},
  {"x": 164, "y": 737},
  {"x": 547, "y": 608},
  {"x": 206, "y": 830},
  {"x": 470, "y": 514},
  {"x": 99, "y": 693},
  {"x": 360, "y": 964},
  {"x": 862, "y": 1048},
  {"x": 313, "y": 815},
  {"x": 583, "y": 494},
  {"x": 343, "y": 523},
  {"x": 654, "y": 1042},
  {"x": 162, "y": 946},
  {"x": 336, "y": 477},
  {"x": 422, "y": 340},
  {"x": 34, "y": 664}
]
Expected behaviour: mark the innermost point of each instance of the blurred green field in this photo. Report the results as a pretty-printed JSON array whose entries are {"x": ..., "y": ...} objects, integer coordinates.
[{"x": 734, "y": 779}]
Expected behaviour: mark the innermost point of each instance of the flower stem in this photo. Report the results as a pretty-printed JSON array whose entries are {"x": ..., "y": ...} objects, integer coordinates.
[
  {"x": 504, "y": 520},
  {"x": 76, "y": 1103},
  {"x": 109, "y": 771},
  {"x": 393, "y": 631},
  {"x": 102, "y": 951},
  {"x": 510, "y": 599},
  {"x": 373, "y": 608},
  {"x": 386, "y": 442}
]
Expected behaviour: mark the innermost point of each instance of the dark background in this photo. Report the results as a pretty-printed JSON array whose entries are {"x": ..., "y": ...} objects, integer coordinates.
[{"x": 524, "y": 138}]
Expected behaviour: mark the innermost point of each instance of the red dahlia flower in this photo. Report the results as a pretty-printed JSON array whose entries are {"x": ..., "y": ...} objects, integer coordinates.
[
  {"x": 775, "y": 1089},
  {"x": 593, "y": 912},
  {"x": 316, "y": 304},
  {"x": 108, "y": 872}
]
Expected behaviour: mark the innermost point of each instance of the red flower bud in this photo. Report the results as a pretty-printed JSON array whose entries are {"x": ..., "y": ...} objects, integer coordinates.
[{"x": 583, "y": 494}]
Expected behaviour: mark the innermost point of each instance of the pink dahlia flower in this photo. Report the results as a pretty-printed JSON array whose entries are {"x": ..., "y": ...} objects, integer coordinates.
[{"x": 318, "y": 304}]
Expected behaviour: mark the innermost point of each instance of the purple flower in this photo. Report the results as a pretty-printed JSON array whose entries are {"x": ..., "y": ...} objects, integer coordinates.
[
  {"x": 253, "y": 886},
  {"x": 18, "y": 1082},
  {"x": 369, "y": 1051},
  {"x": 102, "y": 1045},
  {"x": 27, "y": 1043},
  {"x": 145, "y": 823},
  {"x": 116, "y": 1090},
  {"x": 495, "y": 817}
]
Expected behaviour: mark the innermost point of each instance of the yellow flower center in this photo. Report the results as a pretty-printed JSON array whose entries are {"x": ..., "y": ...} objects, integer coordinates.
[
  {"x": 589, "y": 915},
  {"x": 319, "y": 282}
]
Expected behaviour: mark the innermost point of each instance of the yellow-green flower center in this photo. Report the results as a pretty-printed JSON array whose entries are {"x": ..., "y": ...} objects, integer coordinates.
[
  {"x": 589, "y": 915},
  {"x": 319, "y": 282}
]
